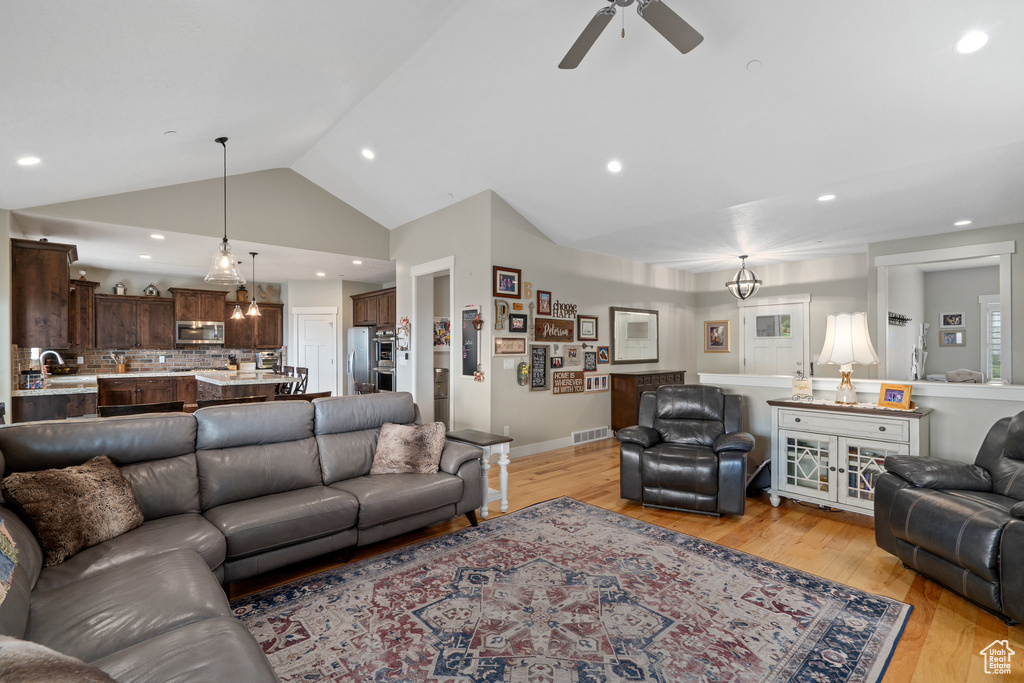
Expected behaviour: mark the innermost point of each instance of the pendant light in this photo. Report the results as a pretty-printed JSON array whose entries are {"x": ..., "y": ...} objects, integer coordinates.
[
  {"x": 222, "y": 270},
  {"x": 254, "y": 310},
  {"x": 744, "y": 284},
  {"x": 237, "y": 313}
]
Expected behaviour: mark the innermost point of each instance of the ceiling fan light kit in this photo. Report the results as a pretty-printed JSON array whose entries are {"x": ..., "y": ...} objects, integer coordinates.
[
  {"x": 744, "y": 284},
  {"x": 223, "y": 270},
  {"x": 655, "y": 12}
]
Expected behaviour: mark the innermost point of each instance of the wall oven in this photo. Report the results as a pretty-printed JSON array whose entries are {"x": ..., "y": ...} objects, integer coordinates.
[
  {"x": 384, "y": 363},
  {"x": 198, "y": 332}
]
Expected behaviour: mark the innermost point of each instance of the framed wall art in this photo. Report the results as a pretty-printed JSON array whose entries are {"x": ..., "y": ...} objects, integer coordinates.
[
  {"x": 556, "y": 361},
  {"x": 634, "y": 335},
  {"x": 596, "y": 383},
  {"x": 517, "y": 323},
  {"x": 540, "y": 378},
  {"x": 510, "y": 346},
  {"x": 716, "y": 336},
  {"x": 603, "y": 356},
  {"x": 589, "y": 361},
  {"x": 951, "y": 320},
  {"x": 573, "y": 355},
  {"x": 952, "y": 338},
  {"x": 553, "y": 330},
  {"x": 586, "y": 327},
  {"x": 507, "y": 282},
  {"x": 895, "y": 396},
  {"x": 543, "y": 302}
]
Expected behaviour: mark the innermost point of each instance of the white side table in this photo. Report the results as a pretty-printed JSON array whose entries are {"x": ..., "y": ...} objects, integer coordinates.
[{"x": 491, "y": 444}]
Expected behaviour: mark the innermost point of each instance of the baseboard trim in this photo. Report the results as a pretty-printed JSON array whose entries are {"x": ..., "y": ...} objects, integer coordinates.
[{"x": 539, "y": 447}]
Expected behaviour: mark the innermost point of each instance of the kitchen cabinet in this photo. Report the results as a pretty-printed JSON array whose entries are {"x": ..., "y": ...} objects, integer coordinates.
[
  {"x": 128, "y": 391},
  {"x": 628, "y": 387},
  {"x": 206, "y": 305},
  {"x": 82, "y": 314},
  {"x": 832, "y": 455},
  {"x": 52, "y": 407},
  {"x": 185, "y": 389},
  {"x": 40, "y": 297},
  {"x": 374, "y": 308},
  {"x": 127, "y": 322},
  {"x": 265, "y": 331}
]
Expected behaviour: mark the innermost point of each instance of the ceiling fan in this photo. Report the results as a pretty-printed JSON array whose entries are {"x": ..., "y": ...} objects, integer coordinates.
[{"x": 656, "y": 13}]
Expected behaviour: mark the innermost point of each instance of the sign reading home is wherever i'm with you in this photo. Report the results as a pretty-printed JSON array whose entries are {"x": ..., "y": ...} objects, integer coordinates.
[{"x": 567, "y": 382}]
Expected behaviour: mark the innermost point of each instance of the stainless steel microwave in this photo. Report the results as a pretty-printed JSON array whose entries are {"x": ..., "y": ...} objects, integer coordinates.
[{"x": 198, "y": 332}]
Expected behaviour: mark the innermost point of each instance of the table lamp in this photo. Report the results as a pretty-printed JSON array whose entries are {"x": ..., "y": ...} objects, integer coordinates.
[{"x": 847, "y": 342}]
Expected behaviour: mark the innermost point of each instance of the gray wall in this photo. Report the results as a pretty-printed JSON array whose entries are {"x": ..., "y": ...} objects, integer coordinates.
[
  {"x": 906, "y": 297},
  {"x": 5, "y": 310},
  {"x": 956, "y": 291}
]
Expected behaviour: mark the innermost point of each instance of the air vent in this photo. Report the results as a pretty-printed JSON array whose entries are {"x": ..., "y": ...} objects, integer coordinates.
[{"x": 588, "y": 435}]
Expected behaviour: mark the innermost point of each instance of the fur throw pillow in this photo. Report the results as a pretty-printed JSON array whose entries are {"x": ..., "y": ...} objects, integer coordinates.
[
  {"x": 73, "y": 508},
  {"x": 408, "y": 448},
  {"x": 23, "y": 661}
]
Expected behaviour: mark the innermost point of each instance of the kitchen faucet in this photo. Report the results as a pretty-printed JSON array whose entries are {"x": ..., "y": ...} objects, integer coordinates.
[{"x": 42, "y": 365}]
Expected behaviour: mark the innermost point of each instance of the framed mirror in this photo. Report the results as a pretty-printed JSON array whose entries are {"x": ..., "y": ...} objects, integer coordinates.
[{"x": 634, "y": 335}]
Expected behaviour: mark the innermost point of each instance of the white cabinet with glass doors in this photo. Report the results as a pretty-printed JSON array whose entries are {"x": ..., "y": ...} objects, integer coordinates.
[{"x": 832, "y": 455}]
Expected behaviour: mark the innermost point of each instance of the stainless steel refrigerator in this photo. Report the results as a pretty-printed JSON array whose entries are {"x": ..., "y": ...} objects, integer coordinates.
[{"x": 360, "y": 350}]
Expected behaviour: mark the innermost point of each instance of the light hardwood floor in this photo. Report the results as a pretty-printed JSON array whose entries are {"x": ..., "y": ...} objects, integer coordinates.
[{"x": 943, "y": 637}]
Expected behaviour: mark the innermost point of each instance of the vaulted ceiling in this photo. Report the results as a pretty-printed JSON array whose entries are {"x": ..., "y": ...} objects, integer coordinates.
[{"x": 723, "y": 151}]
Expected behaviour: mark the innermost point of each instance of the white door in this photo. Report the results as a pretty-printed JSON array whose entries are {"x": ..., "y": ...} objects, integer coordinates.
[
  {"x": 317, "y": 350},
  {"x": 774, "y": 339}
]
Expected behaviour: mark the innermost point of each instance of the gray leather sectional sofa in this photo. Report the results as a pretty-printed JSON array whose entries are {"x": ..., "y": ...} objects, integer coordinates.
[{"x": 229, "y": 493}]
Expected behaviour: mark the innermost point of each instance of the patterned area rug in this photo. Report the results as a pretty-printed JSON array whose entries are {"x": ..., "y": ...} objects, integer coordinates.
[{"x": 564, "y": 592}]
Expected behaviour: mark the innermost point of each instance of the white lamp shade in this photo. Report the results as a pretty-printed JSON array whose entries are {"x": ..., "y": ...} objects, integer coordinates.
[{"x": 847, "y": 340}]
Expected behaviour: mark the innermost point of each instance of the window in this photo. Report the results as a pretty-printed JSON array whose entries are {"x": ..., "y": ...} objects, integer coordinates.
[{"x": 991, "y": 338}]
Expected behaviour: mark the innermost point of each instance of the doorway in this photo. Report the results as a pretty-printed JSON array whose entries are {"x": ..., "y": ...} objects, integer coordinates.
[
  {"x": 426, "y": 277},
  {"x": 316, "y": 346},
  {"x": 775, "y": 335}
]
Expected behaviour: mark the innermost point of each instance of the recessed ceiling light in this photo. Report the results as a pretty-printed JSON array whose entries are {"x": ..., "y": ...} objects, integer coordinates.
[
  {"x": 145, "y": 256},
  {"x": 368, "y": 153},
  {"x": 961, "y": 224},
  {"x": 614, "y": 166},
  {"x": 826, "y": 197},
  {"x": 28, "y": 161},
  {"x": 321, "y": 274},
  {"x": 971, "y": 42},
  {"x": 157, "y": 237},
  {"x": 358, "y": 263}
]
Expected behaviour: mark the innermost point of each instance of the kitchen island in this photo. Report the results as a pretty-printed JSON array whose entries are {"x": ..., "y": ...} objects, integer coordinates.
[{"x": 220, "y": 384}]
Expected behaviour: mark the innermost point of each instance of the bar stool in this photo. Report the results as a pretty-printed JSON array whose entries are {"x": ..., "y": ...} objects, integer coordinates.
[{"x": 300, "y": 386}]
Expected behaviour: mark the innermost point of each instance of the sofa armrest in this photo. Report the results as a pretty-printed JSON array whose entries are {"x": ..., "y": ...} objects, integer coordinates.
[
  {"x": 934, "y": 473},
  {"x": 1018, "y": 510},
  {"x": 456, "y": 453},
  {"x": 734, "y": 441},
  {"x": 644, "y": 436}
]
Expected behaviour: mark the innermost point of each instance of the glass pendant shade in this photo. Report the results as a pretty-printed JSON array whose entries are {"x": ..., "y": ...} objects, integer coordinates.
[
  {"x": 237, "y": 313},
  {"x": 254, "y": 310},
  {"x": 223, "y": 270},
  {"x": 745, "y": 283}
]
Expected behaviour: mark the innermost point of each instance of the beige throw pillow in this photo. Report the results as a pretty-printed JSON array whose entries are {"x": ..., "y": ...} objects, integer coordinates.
[
  {"x": 73, "y": 508},
  {"x": 22, "y": 661},
  {"x": 408, "y": 448}
]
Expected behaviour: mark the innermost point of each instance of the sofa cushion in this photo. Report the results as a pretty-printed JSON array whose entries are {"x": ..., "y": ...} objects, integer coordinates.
[
  {"x": 210, "y": 650},
  {"x": 126, "y": 605},
  {"x": 269, "y": 522},
  {"x": 246, "y": 472},
  {"x": 690, "y": 414},
  {"x": 189, "y": 531},
  {"x": 74, "y": 507},
  {"x": 962, "y": 529},
  {"x": 165, "y": 487},
  {"x": 24, "y": 662},
  {"x": 678, "y": 475},
  {"x": 408, "y": 448},
  {"x": 347, "y": 454},
  {"x": 368, "y": 411},
  {"x": 388, "y": 497}
]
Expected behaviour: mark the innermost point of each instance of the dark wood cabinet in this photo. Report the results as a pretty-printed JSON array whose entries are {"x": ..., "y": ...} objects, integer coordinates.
[
  {"x": 52, "y": 407},
  {"x": 126, "y": 322},
  {"x": 82, "y": 314},
  {"x": 374, "y": 308},
  {"x": 40, "y": 297},
  {"x": 115, "y": 322},
  {"x": 206, "y": 305},
  {"x": 628, "y": 387},
  {"x": 265, "y": 331},
  {"x": 130, "y": 391},
  {"x": 269, "y": 327},
  {"x": 185, "y": 389}
]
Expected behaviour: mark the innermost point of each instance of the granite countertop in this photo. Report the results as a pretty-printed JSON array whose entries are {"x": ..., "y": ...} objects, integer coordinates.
[
  {"x": 233, "y": 378},
  {"x": 62, "y": 384}
]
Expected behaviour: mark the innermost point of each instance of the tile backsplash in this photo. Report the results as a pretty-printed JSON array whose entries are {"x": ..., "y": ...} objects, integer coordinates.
[{"x": 98, "y": 361}]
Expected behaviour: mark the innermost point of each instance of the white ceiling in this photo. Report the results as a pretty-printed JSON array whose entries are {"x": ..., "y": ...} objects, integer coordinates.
[{"x": 867, "y": 100}]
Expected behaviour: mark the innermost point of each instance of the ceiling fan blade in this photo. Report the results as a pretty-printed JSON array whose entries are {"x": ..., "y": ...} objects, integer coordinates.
[
  {"x": 587, "y": 39},
  {"x": 670, "y": 25}
]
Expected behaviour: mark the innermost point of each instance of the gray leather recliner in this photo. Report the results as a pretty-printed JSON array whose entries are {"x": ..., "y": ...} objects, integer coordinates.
[
  {"x": 687, "y": 453},
  {"x": 958, "y": 524}
]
